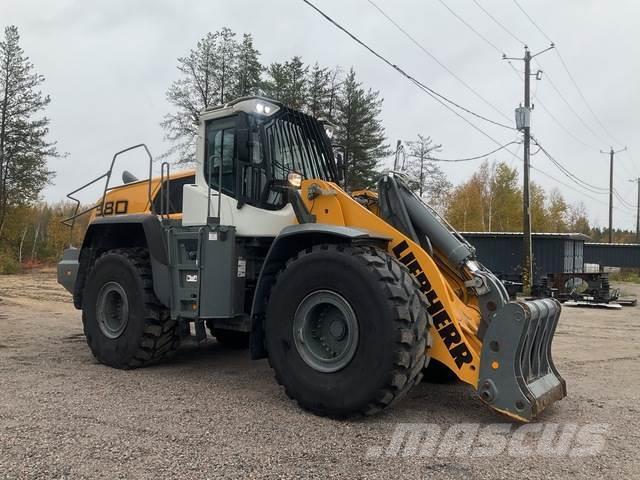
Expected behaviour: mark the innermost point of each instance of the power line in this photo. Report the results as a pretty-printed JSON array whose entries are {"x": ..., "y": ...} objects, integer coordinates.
[
  {"x": 489, "y": 42},
  {"x": 434, "y": 58},
  {"x": 568, "y": 104},
  {"x": 581, "y": 192},
  {"x": 622, "y": 200},
  {"x": 555, "y": 179},
  {"x": 633, "y": 163},
  {"x": 432, "y": 93},
  {"x": 569, "y": 174},
  {"x": 565, "y": 171},
  {"x": 534, "y": 23},
  {"x": 551, "y": 115},
  {"x": 515, "y": 155},
  {"x": 468, "y": 159},
  {"x": 538, "y": 101},
  {"x": 628, "y": 167},
  {"x": 509, "y": 32},
  {"x": 584, "y": 99},
  {"x": 517, "y": 73},
  {"x": 573, "y": 80}
]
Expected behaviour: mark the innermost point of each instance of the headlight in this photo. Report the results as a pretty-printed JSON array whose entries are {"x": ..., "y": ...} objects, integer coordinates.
[
  {"x": 264, "y": 108},
  {"x": 328, "y": 129},
  {"x": 294, "y": 179}
]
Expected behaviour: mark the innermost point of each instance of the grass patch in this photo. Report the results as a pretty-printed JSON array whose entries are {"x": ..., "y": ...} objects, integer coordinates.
[
  {"x": 8, "y": 265},
  {"x": 631, "y": 276}
]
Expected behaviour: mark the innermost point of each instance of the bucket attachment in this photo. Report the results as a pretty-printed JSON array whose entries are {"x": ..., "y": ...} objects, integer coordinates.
[{"x": 517, "y": 374}]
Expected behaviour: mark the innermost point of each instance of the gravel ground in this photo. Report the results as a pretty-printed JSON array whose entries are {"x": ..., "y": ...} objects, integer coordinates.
[{"x": 213, "y": 413}]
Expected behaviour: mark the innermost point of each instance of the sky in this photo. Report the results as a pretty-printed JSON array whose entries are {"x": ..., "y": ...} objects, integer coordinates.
[{"x": 109, "y": 63}]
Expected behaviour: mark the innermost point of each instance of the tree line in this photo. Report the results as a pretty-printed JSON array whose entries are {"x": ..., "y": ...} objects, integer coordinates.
[
  {"x": 223, "y": 66},
  {"x": 491, "y": 200}
]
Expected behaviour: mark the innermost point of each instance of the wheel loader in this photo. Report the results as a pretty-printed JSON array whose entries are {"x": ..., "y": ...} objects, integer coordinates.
[{"x": 349, "y": 296}]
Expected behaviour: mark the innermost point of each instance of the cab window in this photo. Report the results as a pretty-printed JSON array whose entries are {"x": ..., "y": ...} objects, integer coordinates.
[
  {"x": 175, "y": 195},
  {"x": 220, "y": 153}
]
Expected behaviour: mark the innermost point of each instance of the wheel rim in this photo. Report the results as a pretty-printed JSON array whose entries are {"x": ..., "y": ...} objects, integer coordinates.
[
  {"x": 325, "y": 331},
  {"x": 112, "y": 310}
]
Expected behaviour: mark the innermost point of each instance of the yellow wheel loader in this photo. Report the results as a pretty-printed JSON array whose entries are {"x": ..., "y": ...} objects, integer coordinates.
[{"x": 348, "y": 296}]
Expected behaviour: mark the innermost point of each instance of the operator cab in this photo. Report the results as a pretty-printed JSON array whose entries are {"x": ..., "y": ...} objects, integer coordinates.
[{"x": 249, "y": 147}]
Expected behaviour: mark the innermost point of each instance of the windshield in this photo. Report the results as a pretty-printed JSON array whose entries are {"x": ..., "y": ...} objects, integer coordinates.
[{"x": 296, "y": 142}]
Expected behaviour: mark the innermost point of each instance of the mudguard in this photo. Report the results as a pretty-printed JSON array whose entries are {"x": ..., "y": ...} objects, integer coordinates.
[
  {"x": 291, "y": 240},
  {"x": 117, "y": 231}
]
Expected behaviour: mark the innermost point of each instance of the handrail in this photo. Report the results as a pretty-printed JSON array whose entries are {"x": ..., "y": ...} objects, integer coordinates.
[
  {"x": 165, "y": 198},
  {"x": 217, "y": 219},
  {"x": 70, "y": 222}
]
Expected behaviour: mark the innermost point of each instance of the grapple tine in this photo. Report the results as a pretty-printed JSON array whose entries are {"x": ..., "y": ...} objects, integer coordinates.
[{"x": 517, "y": 373}]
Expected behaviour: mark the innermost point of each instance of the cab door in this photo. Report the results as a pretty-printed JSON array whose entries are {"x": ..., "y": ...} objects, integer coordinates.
[{"x": 233, "y": 163}]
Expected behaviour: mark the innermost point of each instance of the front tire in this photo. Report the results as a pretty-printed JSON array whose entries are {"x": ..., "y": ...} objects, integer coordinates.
[
  {"x": 124, "y": 323},
  {"x": 346, "y": 330}
]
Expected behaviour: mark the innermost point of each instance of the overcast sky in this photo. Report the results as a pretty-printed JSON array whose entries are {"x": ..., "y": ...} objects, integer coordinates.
[{"x": 108, "y": 64}]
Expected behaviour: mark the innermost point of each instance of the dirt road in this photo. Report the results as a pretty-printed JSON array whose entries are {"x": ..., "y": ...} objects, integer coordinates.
[{"x": 213, "y": 413}]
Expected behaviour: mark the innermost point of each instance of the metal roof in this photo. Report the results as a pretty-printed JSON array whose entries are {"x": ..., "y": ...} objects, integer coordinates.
[
  {"x": 602, "y": 244},
  {"x": 566, "y": 236}
]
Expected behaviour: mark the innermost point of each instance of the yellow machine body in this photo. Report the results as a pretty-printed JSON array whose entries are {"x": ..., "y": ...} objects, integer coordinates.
[{"x": 134, "y": 197}]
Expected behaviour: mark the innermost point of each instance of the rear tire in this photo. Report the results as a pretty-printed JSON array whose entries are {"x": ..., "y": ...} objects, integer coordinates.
[
  {"x": 346, "y": 330},
  {"x": 124, "y": 323}
]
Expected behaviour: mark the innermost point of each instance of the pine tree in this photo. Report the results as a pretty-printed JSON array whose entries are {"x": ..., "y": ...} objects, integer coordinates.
[
  {"x": 208, "y": 76},
  {"x": 287, "y": 83},
  {"x": 24, "y": 148},
  {"x": 335, "y": 84},
  {"x": 226, "y": 59},
  {"x": 360, "y": 132},
  {"x": 319, "y": 91},
  {"x": 296, "y": 72},
  {"x": 249, "y": 69},
  {"x": 275, "y": 85}
]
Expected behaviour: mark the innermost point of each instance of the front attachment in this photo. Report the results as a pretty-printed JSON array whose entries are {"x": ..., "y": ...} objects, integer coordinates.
[{"x": 517, "y": 374}]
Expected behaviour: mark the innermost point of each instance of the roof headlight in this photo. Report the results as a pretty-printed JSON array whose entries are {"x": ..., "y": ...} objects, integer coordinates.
[{"x": 328, "y": 129}]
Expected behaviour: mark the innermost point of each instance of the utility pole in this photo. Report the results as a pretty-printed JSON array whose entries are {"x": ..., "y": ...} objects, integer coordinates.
[
  {"x": 397, "y": 167},
  {"x": 611, "y": 154},
  {"x": 397, "y": 157},
  {"x": 421, "y": 170},
  {"x": 523, "y": 123},
  {"x": 637, "y": 211}
]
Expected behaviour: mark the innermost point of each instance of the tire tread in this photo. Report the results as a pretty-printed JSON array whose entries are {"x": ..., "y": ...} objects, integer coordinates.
[
  {"x": 410, "y": 319},
  {"x": 160, "y": 333}
]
